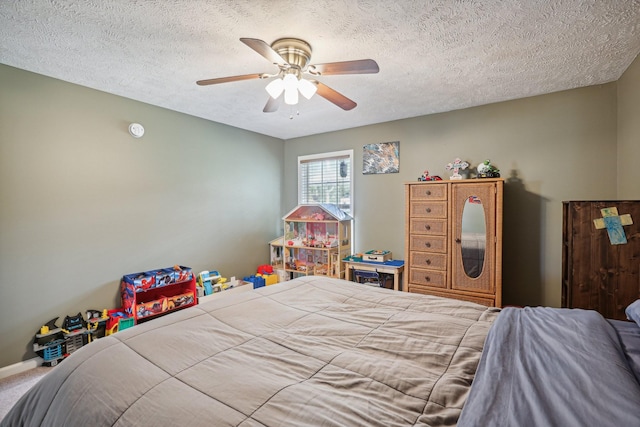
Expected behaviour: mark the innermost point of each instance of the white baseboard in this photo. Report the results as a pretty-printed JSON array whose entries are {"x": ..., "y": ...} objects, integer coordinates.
[{"x": 20, "y": 367}]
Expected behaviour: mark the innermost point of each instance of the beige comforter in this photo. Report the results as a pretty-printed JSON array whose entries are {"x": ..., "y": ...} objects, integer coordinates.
[{"x": 310, "y": 352}]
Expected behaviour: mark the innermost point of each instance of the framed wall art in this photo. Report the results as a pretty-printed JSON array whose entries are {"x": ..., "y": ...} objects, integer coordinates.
[{"x": 382, "y": 157}]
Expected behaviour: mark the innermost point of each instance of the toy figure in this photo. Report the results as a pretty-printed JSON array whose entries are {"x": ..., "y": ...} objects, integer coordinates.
[
  {"x": 73, "y": 323},
  {"x": 487, "y": 170},
  {"x": 96, "y": 324},
  {"x": 426, "y": 177}
]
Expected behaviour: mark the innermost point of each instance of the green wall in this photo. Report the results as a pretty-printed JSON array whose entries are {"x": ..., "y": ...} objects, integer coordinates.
[
  {"x": 83, "y": 202},
  {"x": 629, "y": 134}
]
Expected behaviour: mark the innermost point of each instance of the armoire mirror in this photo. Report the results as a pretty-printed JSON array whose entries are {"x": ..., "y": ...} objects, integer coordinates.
[{"x": 473, "y": 237}]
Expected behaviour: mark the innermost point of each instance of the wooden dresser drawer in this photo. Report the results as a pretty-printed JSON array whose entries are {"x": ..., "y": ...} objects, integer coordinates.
[
  {"x": 428, "y": 226},
  {"x": 436, "y": 279},
  {"x": 429, "y": 192},
  {"x": 428, "y": 209},
  {"x": 428, "y": 243},
  {"x": 426, "y": 291},
  {"x": 428, "y": 260}
]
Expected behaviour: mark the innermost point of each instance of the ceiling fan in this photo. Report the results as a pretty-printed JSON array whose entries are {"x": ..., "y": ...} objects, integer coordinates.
[{"x": 292, "y": 57}]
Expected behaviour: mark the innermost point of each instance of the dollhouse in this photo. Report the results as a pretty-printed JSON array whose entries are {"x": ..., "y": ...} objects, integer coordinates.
[{"x": 316, "y": 239}]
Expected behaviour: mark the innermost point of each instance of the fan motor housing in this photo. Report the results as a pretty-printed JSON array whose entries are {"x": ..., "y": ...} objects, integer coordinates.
[{"x": 295, "y": 51}]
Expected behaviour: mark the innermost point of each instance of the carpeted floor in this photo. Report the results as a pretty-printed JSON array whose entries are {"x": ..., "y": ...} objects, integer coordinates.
[{"x": 13, "y": 387}]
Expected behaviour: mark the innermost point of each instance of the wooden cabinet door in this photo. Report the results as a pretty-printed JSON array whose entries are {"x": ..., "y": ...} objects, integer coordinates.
[
  {"x": 583, "y": 251},
  {"x": 597, "y": 274},
  {"x": 623, "y": 274},
  {"x": 470, "y": 271}
]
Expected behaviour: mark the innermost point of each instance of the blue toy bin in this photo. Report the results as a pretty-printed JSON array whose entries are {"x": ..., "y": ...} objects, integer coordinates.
[{"x": 258, "y": 282}]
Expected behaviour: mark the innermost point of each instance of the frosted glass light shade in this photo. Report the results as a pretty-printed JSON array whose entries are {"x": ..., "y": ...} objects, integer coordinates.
[
  {"x": 291, "y": 96},
  {"x": 290, "y": 89},
  {"x": 290, "y": 81},
  {"x": 275, "y": 88},
  {"x": 307, "y": 89}
]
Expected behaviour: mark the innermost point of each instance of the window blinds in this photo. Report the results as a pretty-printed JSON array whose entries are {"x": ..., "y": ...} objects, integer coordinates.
[{"x": 326, "y": 180}]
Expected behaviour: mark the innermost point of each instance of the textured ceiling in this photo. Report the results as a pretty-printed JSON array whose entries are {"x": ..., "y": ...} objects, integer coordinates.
[{"x": 434, "y": 55}]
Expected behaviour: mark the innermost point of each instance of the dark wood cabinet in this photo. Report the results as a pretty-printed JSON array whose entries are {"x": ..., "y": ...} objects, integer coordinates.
[{"x": 597, "y": 274}]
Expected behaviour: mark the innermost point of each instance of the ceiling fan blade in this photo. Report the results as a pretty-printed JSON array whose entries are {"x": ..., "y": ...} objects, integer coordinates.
[
  {"x": 333, "y": 96},
  {"x": 361, "y": 66},
  {"x": 228, "y": 79},
  {"x": 265, "y": 50},
  {"x": 272, "y": 105}
]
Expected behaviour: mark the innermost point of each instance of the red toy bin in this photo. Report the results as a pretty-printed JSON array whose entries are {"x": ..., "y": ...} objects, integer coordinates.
[
  {"x": 165, "y": 276},
  {"x": 182, "y": 273},
  {"x": 141, "y": 281},
  {"x": 181, "y": 300},
  {"x": 151, "y": 308}
]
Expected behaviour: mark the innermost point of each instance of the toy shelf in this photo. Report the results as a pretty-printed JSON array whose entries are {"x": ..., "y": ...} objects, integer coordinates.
[{"x": 144, "y": 304}]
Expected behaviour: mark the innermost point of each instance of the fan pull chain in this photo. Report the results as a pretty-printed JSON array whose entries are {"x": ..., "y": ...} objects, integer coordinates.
[{"x": 291, "y": 115}]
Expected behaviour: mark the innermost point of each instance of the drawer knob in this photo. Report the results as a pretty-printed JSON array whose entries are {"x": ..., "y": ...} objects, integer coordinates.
[
  {"x": 458, "y": 240},
  {"x": 428, "y": 209},
  {"x": 427, "y": 278},
  {"x": 427, "y": 227},
  {"x": 428, "y": 244},
  {"x": 428, "y": 193},
  {"x": 428, "y": 262}
]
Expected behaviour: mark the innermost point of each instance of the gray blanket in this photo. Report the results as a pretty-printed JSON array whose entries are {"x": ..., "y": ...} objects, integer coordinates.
[
  {"x": 553, "y": 367},
  {"x": 310, "y": 352}
]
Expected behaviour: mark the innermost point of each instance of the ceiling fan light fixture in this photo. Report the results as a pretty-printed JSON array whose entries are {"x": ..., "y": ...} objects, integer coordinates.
[
  {"x": 290, "y": 89},
  {"x": 306, "y": 88},
  {"x": 292, "y": 57},
  {"x": 275, "y": 88}
]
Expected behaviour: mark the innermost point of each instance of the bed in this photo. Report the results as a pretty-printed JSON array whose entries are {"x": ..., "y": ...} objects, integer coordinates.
[
  {"x": 556, "y": 367},
  {"x": 315, "y": 351}
]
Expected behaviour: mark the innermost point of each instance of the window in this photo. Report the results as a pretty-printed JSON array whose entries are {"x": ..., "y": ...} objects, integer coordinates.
[{"x": 326, "y": 178}]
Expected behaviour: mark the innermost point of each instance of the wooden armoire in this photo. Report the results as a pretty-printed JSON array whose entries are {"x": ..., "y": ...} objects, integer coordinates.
[
  {"x": 599, "y": 270},
  {"x": 453, "y": 239}
]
